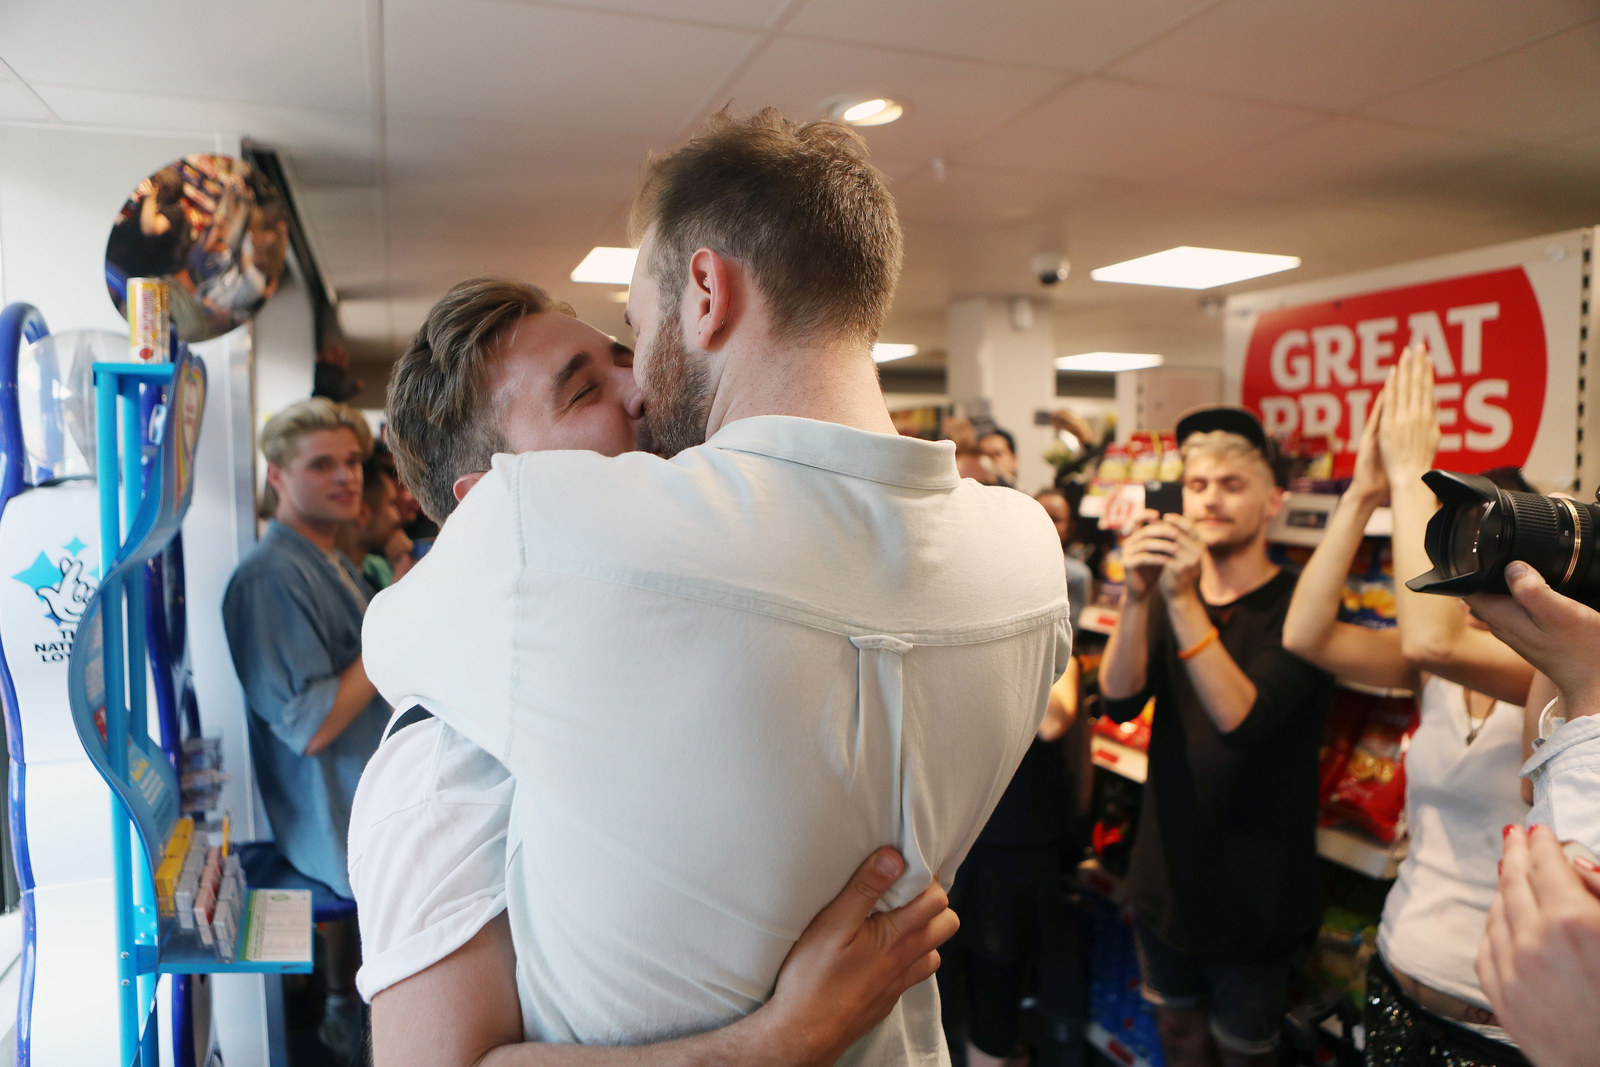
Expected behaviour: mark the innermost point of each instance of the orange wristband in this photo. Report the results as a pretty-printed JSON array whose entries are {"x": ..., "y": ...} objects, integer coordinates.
[{"x": 1200, "y": 645}]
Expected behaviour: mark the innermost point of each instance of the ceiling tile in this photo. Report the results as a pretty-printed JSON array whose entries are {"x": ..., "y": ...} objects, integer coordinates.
[
  {"x": 631, "y": 77},
  {"x": 1060, "y": 34},
  {"x": 1341, "y": 55},
  {"x": 744, "y": 14},
  {"x": 546, "y": 161},
  {"x": 304, "y": 133},
  {"x": 1133, "y": 132},
  {"x": 950, "y": 101},
  {"x": 986, "y": 196},
  {"x": 1343, "y": 157},
  {"x": 305, "y": 53},
  {"x": 17, "y": 102},
  {"x": 493, "y": 210},
  {"x": 1544, "y": 92}
]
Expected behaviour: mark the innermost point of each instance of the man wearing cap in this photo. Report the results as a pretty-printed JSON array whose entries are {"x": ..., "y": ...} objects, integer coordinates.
[{"x": 1224, "y": 873}]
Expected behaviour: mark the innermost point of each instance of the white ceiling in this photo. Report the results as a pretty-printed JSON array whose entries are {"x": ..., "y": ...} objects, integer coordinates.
[{"x": 430, "y": 140}]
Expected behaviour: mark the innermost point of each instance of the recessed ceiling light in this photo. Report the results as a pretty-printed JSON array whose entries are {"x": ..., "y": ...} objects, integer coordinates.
[
  {"x": 1109, "y": 361},
  {"x": 860, "y": 110},
  {"x": 882, "y": 353},
  {"x": 1186, "y": 267},
  {"x": 608, "y": 266}
]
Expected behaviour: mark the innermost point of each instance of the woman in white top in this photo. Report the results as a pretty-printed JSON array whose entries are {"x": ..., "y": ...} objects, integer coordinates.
[{"x": 1424, "y": 1005}]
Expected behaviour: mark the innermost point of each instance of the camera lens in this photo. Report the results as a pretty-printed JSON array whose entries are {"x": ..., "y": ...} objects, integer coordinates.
[
  {"x": 1466, "y": 547},
  {"x": 1480, "y": 528}
]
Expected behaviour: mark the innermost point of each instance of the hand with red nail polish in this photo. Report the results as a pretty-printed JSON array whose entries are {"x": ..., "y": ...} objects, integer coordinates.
[{"x": 1539, "y": 961}]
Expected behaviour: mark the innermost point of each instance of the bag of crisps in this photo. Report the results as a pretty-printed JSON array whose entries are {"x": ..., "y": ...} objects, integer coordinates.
[{"x": 1371, "y": 793}]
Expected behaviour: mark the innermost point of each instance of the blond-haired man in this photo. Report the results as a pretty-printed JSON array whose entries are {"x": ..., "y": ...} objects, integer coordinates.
[
  {"x": 292, "y": 613},
  {"x": 1224, "y": 877},
  {"x": 720, "y": 680}
]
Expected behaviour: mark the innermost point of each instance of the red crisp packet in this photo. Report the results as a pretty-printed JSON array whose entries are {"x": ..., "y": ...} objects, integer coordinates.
[{"x": 1371, "y": 793}]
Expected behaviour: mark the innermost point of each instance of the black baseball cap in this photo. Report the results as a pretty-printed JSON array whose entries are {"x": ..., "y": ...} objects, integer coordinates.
[{"x": 1238, "y": 421}]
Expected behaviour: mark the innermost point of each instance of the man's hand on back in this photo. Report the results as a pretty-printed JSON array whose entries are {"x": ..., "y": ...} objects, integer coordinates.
[
  {"x": 841, "y": 978},
  {"x": 850, "y": 966}
]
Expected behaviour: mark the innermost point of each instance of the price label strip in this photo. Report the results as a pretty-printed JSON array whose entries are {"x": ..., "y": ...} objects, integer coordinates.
[{"x": 278, "y": 929}]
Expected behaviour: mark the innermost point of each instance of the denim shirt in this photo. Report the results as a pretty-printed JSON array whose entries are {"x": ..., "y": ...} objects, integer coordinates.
[{"x": 293, "y": 625}]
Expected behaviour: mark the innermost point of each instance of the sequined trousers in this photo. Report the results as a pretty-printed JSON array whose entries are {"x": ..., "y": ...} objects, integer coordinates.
[{"x": 1401, "y": 1034}]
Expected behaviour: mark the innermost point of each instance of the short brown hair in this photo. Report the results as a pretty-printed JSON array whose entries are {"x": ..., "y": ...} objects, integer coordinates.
[
  {"x": 440, "y": 423},
  {"x": 799, "y": 205},
  {"x": 280, "y": 437}
]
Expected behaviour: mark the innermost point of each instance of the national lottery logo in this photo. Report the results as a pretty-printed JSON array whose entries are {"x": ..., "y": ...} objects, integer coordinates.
[{"x": 63, "y": 585}]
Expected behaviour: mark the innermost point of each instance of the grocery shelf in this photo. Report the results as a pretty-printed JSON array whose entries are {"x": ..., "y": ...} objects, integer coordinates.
[
  {"x": 1346, "y": 847},
  {"x": 1373, "y": 690},
  {"x": 1112, "y": 1046},
  {"x": 1359, "y": 852},
  {"x": 1119, "y": 758},
  {"x": 1094, "y": 877},
  {"x": 1098, "y": 619},
  {"x": 1305, "y": 516}
]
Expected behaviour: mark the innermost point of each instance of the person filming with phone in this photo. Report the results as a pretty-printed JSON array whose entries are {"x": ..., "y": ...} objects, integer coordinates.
[{"x": 1223, "y": 880}]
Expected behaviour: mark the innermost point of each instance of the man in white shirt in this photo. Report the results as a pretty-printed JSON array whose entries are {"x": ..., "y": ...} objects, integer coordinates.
[
  {"x": 719, "y": 680},
  {"x": 428, "y": 826}
]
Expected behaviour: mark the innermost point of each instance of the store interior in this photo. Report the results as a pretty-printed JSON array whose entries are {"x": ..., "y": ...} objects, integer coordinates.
[{"x": 1396, "y": 152}]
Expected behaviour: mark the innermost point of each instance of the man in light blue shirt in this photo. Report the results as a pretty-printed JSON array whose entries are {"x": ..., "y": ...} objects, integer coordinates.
[{"x": 293, "y": 614}]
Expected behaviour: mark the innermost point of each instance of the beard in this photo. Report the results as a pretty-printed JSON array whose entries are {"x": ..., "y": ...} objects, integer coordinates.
[{"x": 677, "y": 394}]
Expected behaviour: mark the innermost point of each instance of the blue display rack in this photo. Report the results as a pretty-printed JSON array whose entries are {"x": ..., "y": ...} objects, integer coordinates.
[{"x": 106, "y": 683}]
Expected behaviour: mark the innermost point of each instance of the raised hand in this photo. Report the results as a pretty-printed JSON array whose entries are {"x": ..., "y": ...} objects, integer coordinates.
[
  {"x": 1369, "y": 481},
  {"x": 1408, "y": 433}
]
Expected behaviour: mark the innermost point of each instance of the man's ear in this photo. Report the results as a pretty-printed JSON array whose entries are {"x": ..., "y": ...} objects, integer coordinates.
[
  {"x": 712, "y": 302},
  {"x": 275, "y": 477},
  {"x": 465, "y": 482},
  {"x": 1276, "y": 501}
]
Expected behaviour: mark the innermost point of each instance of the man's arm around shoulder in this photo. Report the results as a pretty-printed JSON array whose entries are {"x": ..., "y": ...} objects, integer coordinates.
[{"x": 842, "y": 978}]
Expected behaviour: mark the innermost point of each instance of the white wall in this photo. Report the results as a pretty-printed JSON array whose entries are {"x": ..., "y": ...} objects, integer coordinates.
[{"x": 60, "y": 190}]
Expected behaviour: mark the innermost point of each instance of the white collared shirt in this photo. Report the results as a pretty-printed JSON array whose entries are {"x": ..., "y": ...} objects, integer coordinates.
[{"x": 719, "y": 682}]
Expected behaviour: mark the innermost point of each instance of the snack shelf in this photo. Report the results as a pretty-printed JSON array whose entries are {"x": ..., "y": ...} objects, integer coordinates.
[
  {"x": 1098, "y": 619},
  {"x": 1348, "y": 848},
  {"x": 1305, "y": 516},
  {"x": 1094, "y": 877},
  {"x": 1359, "y": 852},
  {"x": 1374, "y": 690},
  {"x": 1112, "y": 1047},
  {"x": 1119, "y": 758}
]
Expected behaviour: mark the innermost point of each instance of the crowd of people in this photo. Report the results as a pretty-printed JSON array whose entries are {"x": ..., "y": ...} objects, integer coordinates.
[{"x": 715, "y": 701}]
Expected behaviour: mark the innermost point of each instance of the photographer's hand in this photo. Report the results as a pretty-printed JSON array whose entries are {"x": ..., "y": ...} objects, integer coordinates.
[
  {"x": 1557, "y": 634},
  {"x": 1539, "y": 961}
]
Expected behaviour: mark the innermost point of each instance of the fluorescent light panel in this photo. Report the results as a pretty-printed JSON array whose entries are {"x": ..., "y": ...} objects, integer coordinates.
[
  {"x": 607, "y": 266},
  {"x": 884, "y": 353},
  {"x": 1186, "y": 267},
  {"x": 1109, "y": 361}
]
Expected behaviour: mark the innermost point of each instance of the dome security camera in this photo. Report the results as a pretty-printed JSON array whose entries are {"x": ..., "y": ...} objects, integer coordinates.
[{"x": 1050, "y": 268}]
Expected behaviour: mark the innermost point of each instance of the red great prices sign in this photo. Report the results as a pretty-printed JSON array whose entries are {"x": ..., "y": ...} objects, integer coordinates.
[{"x": 1315, "y": 369}]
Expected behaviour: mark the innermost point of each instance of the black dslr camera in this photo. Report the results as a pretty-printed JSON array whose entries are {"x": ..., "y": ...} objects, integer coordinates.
[{"x": 1480, "y": 527}]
